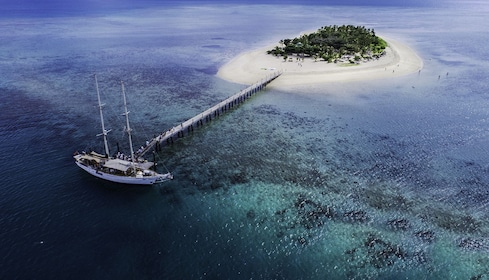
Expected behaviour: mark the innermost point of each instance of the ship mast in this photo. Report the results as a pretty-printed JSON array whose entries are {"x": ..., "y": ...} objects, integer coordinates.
[
  {"x": 104, "y": 132},
  {"x": 128, "y": 128}
]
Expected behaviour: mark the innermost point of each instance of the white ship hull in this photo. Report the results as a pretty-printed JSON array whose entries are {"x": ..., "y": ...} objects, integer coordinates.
[{"x": 132, "y": 180}]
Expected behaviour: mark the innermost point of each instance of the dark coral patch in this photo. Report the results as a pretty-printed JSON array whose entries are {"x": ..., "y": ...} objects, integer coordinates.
[
  {"x": 399, "y": 224},
  {"x": 376, "y": 252},
  {"x": 250, "y": 214},
  {"x": 356, "y": 216},
  {"x": 426, "y": 235},
  {"x": 312, "y": 214}
]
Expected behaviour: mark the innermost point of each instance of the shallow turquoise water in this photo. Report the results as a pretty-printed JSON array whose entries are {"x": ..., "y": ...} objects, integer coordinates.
[{"x": 373, "y": 180}]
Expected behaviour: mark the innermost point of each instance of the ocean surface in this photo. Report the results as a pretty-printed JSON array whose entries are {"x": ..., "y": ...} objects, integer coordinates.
[{"x": 385, "y": 179}]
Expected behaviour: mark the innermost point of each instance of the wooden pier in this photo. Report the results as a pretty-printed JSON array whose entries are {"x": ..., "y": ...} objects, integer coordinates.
[{"x": 215, "y": 111}]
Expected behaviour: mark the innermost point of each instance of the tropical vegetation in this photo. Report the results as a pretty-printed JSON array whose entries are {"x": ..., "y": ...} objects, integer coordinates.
[{"x": 334, "y": 43}]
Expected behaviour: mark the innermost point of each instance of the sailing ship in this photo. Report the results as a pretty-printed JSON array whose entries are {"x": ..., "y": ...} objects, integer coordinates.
[{"x": 119, "y": 169}]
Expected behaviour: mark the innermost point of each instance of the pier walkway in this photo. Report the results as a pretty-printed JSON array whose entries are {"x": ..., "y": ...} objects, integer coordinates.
[{"x": 187, "y": 126}]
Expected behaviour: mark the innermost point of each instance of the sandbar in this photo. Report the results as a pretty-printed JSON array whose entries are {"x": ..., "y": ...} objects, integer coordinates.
[{"x": 252, "y": 66}]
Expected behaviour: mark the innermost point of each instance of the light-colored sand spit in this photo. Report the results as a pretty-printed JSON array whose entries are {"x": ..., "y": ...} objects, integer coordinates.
[{"x": 250, "y": 67}]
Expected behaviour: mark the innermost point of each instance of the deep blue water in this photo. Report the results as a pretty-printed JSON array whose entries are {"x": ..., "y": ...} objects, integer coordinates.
[
  {"x": 368, "y": 180},
  {"x": 60, "y": 8}
]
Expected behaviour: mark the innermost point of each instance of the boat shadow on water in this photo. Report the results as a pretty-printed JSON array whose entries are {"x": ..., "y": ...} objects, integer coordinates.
[{"x": 167, "y": 191}]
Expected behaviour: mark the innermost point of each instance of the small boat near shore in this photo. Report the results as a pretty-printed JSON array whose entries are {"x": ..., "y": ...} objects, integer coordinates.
[{"x": 119, "y": 169}]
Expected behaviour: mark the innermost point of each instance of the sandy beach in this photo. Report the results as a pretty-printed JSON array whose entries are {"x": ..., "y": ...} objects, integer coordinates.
[{"x": 252, "y": 66}]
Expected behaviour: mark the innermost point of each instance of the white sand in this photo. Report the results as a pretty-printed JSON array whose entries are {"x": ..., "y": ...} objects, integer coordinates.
[{"x": 250, "y": 67}]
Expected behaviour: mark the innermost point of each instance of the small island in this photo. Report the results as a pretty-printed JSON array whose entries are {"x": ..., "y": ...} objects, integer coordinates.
[
  {"x": 346, "y": 43},
  {"x": 351, "y": 46}
]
